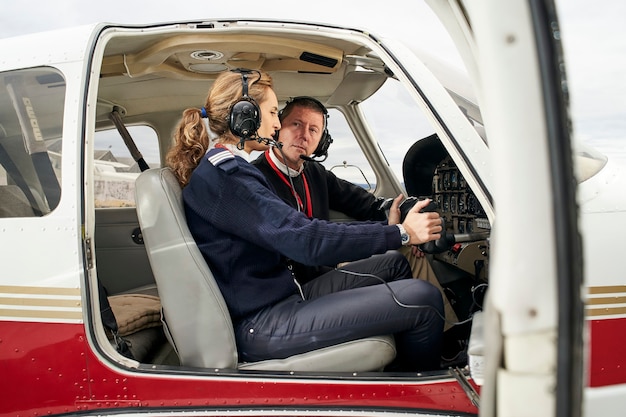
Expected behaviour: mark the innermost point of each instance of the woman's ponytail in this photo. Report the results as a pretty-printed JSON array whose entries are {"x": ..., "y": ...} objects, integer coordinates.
[{"x": 191, "y": 141}]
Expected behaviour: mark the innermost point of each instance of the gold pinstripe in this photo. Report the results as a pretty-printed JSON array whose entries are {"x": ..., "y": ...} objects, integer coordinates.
[
  {"x": 44, "y": 314},
  {"x": 601, "y": 301},
  {"x": 18, "y": 289},
  {"x": 40, "y": 302},
  {"x": 606, "y": 301},
  {"x": 48, "y": 303},
  {"x": 607, "y": 290}
]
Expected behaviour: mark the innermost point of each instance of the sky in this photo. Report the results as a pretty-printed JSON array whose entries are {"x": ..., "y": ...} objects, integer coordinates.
[{"x": 594, "y": 40}]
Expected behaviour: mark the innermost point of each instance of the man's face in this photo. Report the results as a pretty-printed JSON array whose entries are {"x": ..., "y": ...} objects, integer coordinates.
[{"x": 300, "y": 133}]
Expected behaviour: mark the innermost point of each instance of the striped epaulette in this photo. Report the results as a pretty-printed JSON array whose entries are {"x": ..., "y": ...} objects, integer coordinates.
[{"x": 223, "y": 159}]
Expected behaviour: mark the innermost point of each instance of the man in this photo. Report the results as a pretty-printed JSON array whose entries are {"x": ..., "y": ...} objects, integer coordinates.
[{"x": 306, "y": 185}]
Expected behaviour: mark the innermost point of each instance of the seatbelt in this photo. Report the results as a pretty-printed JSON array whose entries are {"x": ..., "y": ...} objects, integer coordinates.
[
  {"x": 115, "y": 117},
  {"x": 14, "y": 172},
  {"x": 110, "y": 323},
  {"x": 33, "y": 140}
]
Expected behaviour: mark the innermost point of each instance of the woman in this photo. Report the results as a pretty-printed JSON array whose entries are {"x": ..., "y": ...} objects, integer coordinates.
[{"x": 248, "y": 236}]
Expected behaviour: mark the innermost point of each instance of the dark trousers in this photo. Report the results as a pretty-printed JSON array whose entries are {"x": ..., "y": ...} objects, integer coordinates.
[{"x": 340, "y": 306}]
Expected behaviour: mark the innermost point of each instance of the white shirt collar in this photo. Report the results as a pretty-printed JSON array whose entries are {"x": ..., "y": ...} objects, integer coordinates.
[
  {"x": 284, "y": 168},
  {"x": 239, "y": 152}
]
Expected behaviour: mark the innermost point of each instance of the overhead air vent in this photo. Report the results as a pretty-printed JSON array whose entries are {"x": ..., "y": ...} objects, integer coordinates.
[
  {"x": 207, "y": 55},
  {"x": 209, "y": 64}
]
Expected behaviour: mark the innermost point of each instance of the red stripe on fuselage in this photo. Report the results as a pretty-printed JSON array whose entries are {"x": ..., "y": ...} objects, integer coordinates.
[
  {"x": 49, "y": 368},
  {"x": 607, "y": 352}
]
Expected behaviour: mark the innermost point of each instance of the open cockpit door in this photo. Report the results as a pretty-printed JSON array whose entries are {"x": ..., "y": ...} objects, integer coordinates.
[{"x": 534, "y": 318}]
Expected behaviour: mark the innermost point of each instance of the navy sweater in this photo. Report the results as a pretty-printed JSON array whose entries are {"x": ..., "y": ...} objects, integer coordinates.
[
  {"x": 245, "y": 232},
  {"x": 328, "y": 192}
]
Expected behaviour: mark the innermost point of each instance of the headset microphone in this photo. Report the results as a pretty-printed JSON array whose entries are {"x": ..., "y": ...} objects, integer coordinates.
[
  {"x": 269, "y": 141},
  {"x": 313, "y": 159}
]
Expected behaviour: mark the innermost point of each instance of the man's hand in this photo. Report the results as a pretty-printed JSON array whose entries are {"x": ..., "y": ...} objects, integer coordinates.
[
  {"x": 394, "y": 211},
  {"x": 421, "y": 227},
  {"x": 417, "y": 252}
]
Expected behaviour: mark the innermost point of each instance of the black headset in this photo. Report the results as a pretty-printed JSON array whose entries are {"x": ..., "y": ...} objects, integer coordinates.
[
  {"x": 322, "y": 148},
  {"x": 245, "y": 115}
]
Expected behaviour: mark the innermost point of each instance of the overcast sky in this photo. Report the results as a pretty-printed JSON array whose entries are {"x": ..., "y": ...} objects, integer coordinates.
[{"x": 594, "y": 39}]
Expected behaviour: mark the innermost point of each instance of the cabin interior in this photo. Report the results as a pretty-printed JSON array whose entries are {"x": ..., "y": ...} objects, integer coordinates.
[{"x": 143, "y": 81}]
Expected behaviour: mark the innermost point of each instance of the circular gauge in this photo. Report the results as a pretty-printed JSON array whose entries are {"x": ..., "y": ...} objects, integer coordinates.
[
  {"x": 454, "y": 183},
  {"x": 446, "y": 180},
  {"x": 469, "y": 226},
  {"x": 472, "y": 204},
  {"x": 461, "y": 226},
  {"x": 439, "y": 201},
  {"x": 462, "y": 208},
  {"x": 446, "y": 203},
  {"x": 462, "y": 182},
  {"x": 453, "y": 203}
]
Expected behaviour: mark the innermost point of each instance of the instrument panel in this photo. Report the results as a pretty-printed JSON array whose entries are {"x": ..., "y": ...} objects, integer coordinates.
[
  {"x": 457, "y": 203},
  {"x": 464, "y": 217}
]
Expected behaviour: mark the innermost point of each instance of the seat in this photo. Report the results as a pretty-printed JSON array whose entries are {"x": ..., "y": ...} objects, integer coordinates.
[
  {"x": 13, "y": 202},
  {"x": 194, "y": 313},
  {"x": 419, "y": 164}
]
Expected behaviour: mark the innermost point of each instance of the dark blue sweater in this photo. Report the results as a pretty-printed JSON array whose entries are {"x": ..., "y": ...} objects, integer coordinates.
[
  {"x": 328, "y": 192},
  {"x": 245, "y": 232}
]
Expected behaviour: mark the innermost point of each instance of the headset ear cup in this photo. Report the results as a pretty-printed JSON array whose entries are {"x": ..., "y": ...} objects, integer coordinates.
[
  {"x": 245, "y": 118},
  {"x": 322, "y": 147}
]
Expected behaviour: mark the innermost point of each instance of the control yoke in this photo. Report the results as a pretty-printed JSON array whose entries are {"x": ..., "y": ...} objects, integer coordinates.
[{"x": 447, "y": 239}]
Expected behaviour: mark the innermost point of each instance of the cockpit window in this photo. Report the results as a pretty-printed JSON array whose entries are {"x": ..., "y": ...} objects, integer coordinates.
[
  {"x": 115, "y": 170},
  {"x": 345, "y": 157},
  {"x": 31, "y": 123},
  {"x": 397, "y": 126}
]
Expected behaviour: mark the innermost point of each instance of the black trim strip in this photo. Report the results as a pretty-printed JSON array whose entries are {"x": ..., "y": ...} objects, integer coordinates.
[{"x": 569, "y": 261}]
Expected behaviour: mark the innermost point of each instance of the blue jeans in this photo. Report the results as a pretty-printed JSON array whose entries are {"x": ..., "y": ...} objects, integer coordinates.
[{"x": 339, "y": 307}]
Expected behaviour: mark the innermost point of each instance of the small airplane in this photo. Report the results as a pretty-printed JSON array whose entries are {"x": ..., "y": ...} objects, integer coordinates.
[{"x": 86, "y": 118}]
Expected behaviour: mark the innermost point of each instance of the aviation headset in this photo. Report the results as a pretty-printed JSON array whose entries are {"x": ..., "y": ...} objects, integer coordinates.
[
  {"x": 322, "y": 148},
  {"x": 245, "y": 115}
]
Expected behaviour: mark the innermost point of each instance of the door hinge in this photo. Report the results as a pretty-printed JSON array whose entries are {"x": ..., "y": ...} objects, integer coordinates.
[{"x": 89, "y": 253}]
